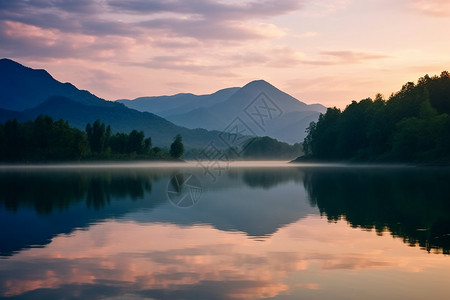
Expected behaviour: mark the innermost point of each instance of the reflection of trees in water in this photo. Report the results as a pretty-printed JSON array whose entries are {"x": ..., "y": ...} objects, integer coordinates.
[
  {"x": 44, "y": 193},
  {"x": 268, "y": 178},
  {"x": 50, "y": 191},
  {"x": 100, "y": 191},
  {"x": 176, "y": 182},
  {"x": 412, "y": 204}
]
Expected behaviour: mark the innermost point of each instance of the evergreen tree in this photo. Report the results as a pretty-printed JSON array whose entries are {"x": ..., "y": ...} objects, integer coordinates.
[
  {"x": 177, "y": 147},
  {"x": 412, "y": 126}
]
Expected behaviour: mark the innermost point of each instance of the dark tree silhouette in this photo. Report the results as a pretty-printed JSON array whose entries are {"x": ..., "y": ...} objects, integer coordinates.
[
  {"x": 177, "y": 147},
  {"x": 269, "y": 148},
  {"x": 412, "y": 126},
  {"x": 47, "y": 140}
]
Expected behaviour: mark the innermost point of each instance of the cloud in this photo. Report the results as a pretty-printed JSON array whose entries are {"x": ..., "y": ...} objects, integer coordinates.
[
  {"x": 304, "y": 35},
  {"x": 327, "y": 7},
  {"x": 345, "y": 57},
  {"x": 220, "y": 61},
  {"x": 70, "y": 6},
  {"x": 196, "y": 37},
  {"x": 186, "y": 63},
  {"x": 208, "y": 9},
  {"x": 21, "y": 40},
  {"x": 437, "y": 8},
  {"x": 201, "y": 19},
  {"x": 213, "y": 29},
  {"x": 284, "y": 57}
]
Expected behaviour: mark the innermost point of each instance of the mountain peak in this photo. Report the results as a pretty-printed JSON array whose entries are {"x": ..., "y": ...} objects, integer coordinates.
[
  {"x": 8, "y": 65},
  {"x": 23, "y": 88},
  {"x": 7, "y": 61},
  {"x": 260, "y": 83}
]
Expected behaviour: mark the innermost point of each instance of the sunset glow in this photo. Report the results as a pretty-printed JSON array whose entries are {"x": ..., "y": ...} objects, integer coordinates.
[
  {"x": 328, "y": 52},
  {"x": 256, "y": 269}
]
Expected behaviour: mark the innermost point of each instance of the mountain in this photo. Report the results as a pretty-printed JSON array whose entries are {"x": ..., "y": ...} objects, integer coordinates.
[
  {"x": 261, "y": 107},
  {"x": 176, "y": 104},
  {"x": 257, "y": 109},
  {"x": 26, "y": 93},
  {"x": 23, "y": 88}
]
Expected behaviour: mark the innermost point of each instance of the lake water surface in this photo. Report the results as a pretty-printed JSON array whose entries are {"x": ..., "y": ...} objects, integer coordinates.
[{"x": 248, "y": 231}]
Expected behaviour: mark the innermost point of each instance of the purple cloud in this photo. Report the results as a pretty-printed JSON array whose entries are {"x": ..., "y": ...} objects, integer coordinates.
[{"x": 202, "y": 19}]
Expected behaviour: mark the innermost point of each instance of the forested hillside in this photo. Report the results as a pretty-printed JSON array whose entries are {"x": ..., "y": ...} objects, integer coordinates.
[
  {"x": 268, "y": 148},
  {"x": 413, "y": 125}
]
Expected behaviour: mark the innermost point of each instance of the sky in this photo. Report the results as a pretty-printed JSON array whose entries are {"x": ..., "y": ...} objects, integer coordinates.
[{"x": 323, "y": 51}]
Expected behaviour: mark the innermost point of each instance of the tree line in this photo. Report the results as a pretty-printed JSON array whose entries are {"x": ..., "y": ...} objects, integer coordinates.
[
  {"x": 45, "y": 139},
  {"x": 413, "y": 125},
  {"x": 269, "y": 148}
]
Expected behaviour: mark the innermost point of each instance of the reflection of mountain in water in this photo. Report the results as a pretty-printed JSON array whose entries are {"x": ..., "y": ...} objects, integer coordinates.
[
  {"x": 38, "y": 205},
  {"x": 255, "y": 201},
  {"x": 270, "y": 178},
  {"x": 410, "y": 203}
]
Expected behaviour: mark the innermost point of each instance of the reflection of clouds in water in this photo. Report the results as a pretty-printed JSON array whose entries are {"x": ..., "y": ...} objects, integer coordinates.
[
  {"x": 200, "y": 262},
  {"x": 210, "y": 251}
]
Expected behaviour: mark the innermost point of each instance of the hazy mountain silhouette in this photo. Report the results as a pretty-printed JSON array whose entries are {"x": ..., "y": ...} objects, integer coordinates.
[
  {"x": 215, "y": 111},
  {"x": 26, "y": 93},
  {"x": 177, "y": 104}
]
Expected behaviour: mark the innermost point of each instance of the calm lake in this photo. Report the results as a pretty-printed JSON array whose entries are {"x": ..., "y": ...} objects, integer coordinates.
[{"x": 245, "y": 231}]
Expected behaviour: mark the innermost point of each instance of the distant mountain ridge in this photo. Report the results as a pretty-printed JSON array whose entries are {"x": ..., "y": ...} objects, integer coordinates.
[
  {"x": 218, "y": 110},
  {"x": 24, "y": 88},
  {"x": 170, "y": 105},
  {"x": 25, "y": 93},
  {"x": 256, "y": 109}
]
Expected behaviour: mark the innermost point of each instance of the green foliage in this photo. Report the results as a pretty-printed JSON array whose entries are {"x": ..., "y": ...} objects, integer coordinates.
[
  {"x": 269, "y": 148},
  {"x": 47, "y": 140},
  {"x": 98, "y": 136},
  {"x": 321, "y": 140},
  {"x": 412, "y": 126},
  {"x": 40, "y": 140},
  {"x": 177, "y": 147},
  {"x": 136, "y": 142}
]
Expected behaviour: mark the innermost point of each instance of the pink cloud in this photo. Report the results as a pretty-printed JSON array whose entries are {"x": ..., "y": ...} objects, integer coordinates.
[
  {"x": 210, "y": 262},
  {"x": 203, "y": 19},
  {"x": 438, "y": 8},
  {"x": 345, "y": 57}
]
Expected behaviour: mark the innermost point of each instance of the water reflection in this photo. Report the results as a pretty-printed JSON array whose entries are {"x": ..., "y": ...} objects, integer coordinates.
[
  {"x": 52, "y": 190},
  {"x": 256, "y": 233},
  {"x": 411, "y": 203},
  {"x": 36, "y": 206}
]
